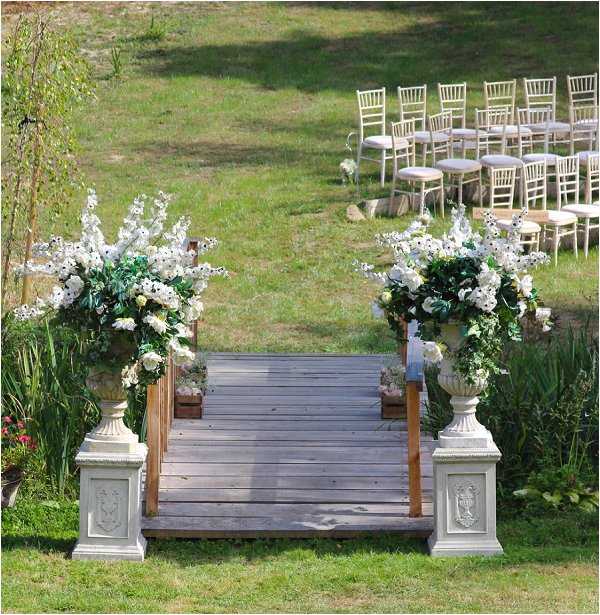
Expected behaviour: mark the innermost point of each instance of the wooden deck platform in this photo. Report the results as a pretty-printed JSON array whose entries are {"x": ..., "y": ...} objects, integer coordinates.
[{"x": 289, "y": 445}]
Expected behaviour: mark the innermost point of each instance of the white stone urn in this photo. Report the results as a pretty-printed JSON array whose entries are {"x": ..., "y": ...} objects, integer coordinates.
[
  {"x": 111, "y": 434},
  {"x": 464, "y": 431}
]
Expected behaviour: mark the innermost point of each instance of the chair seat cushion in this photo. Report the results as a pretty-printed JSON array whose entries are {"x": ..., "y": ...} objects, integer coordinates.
[
  {"x": 560, "y": 218},
  {"x": 378, "y": 142},
  {"x": 511, "y": 129},
  {"x": 419, "y": 173},
  {"x": 583, "y": 211},
  {"x": 424, "y": 136},
  {"x": 458, "y": 165},
  {"x": 465, "y": 133},
  {"x": 550, "y": 126},
  {"x": 585, "y": 156},
  {"x": 549, "y": 158},
  {"x": 500, "y": 161},
  {"x": 527, "y": 228},
  {"x": 588, "y": 125}
]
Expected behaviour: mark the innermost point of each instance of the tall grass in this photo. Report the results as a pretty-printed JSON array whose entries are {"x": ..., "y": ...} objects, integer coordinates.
[
  {"x": 43, "y": 380},
  {"x": 543, "y": 412}
]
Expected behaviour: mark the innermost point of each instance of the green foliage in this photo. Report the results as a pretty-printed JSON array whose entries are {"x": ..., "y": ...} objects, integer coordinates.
[
  {"x": 44, "y": 80},
  {"x": 116, "y": 62},
  {"x": 155, "y": 32},
  {"x": 557, "y": 489},
  {"x": 43, "y": 383},
  {"x": 542, "y": 410},
  {"x": 17, "y": 444}
]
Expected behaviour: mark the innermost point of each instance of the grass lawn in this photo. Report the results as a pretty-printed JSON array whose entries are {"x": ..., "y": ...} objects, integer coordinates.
[
  {"x": 242, "y": 111},
  {"x": 550, "y": 566}
]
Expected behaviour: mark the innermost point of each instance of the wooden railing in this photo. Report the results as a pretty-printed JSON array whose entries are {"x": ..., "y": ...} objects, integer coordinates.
[
  {"x": 413, "y": 361},
  {"x": 160, "y": 398}
]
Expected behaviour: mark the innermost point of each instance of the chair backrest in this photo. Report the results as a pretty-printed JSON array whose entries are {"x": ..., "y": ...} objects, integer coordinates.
[
  {"x": 585, "y": 124},
  {"x": 539, "y": 117},
  {"x": 541, "y": 93},
  {"x": 502, "y": 186},
  {"x": 453, "y": 97},
  {"x": 498, "y": 94},
  {"x": 440, "y": 123},
  {"x": 371, "y": 111},
  {"x": 583, "y": 89},
  {"x": 412, "y": 102},
  {"x": 485, "y": 139},
  {"x": 535, "y": 190},
  {"x": 593, "y": 177},
  {"x": 403, "y": 143},
  {"x": 567, "y": 180}
]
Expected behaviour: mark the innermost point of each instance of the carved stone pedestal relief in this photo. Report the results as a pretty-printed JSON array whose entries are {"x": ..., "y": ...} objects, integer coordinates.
[{"x": 110, "y": 500}]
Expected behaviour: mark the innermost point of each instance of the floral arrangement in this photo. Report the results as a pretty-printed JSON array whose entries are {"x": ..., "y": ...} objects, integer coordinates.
[
  {"x": 480, "y": 282},
  {"x": 133, "y": 299},
  {"x": 17, "y": 445},
  {"x": 393, "y": 380},
  {"x": 192, "y": 379}
]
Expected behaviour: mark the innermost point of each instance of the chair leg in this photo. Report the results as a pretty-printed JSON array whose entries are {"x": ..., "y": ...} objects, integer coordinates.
[
  {"x": 460, "y": 189},
  {"x": 393, "y": 190},
  {"x": 575, "y": 240},
  {"x": 521, "y": 187},
  {"x": 556, "y": 240},
  {"x": 382, "y": 168},
  {"x": 480, "y": 189},
  {"x": 422, "y": 201},
  {"x": 442, "y": 196},
  {"x": 586, "y": 238},
  {"x": 357, "y": 172},
  {"x": 424, "y": 154}
]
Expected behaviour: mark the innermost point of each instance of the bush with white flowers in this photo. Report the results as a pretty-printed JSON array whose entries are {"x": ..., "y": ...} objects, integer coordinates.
[
  {"x": 479, "y": 282},
  {"x": 133, "y": 299}
]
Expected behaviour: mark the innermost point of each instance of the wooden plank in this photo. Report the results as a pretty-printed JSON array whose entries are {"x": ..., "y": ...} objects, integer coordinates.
[
  {"x": 289, "y": 454},
  {"x": 153, "y": 442},
  {"x": 504, "y": 213},
  {"x": 335, "y": 392},
  {"x": 298, "y": 423},
  {"x": 414, "y": 448},
  {"x": 287, "y": 380},
  {"x": 284, "y": 511},
  {"x": 260, "y": 437},
  {"x": 332, "y": 412},
  {"x": 333, "y": 483},
  {"x": 355, "y": 496},
  {"x": 231, "y": 401},
  {"x": 192, "y": 467},
  {"x": 219, "y": 527}
]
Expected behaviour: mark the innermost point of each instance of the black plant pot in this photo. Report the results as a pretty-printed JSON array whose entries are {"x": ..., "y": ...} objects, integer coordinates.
[{"x": 11, "y": 481}]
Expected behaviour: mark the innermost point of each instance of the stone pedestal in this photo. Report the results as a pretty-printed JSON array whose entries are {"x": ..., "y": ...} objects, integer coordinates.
[
  {"x": 464, "y": 469},
  {"x": 464, "y": 485},
  {"x": 110, "y": 500}
]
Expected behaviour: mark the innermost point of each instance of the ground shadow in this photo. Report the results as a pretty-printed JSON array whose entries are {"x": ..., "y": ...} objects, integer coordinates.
[{"x": 464, "y": 41}]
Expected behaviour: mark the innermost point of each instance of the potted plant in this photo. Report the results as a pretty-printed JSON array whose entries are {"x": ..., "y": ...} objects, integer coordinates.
[
  {"x": 391, "y": 389},
  {"x": 17, "y": 449},
  {"x": 190, "y": 389},
  {"x": 469, "y": 293},
  {"x": 133, "y": 300}
]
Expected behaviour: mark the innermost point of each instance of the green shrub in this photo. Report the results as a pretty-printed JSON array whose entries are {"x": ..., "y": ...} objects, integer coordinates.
[{"x": 542, "y": 411}]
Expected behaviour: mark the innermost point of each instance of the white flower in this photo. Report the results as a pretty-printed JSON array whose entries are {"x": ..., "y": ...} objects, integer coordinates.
[
  {"x": 182, "y": 331},
  {"x": 427, "y": 305},
  {"x": 181, "y": 354},
  {"x": 525, "y": 285},
  {"x": 522, "y": 308},
  {"x": 158, "y": 324},
  {"x": 129, "y": 375},
  {"x": 488, "y": 277},
  {"x": 75, "y": 285},
  {"x": 542, "y": 314},
  {"x": 484, "y": 299},
  {"x": 432, "y": 352},
  {"x": 386, "y": 297},
  {"x": 376, "y": 310},
  {"x": 193, "y": 310},
  {"x": 125, "y": 324},
  {"x": 463, "y": 292},
  {"x": 141, "y": 300},
  {"x": 151, "y": 360}
]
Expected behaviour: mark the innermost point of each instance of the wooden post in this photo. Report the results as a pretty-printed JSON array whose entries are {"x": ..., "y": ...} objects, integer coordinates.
[
  {"x": 414, "y": 449},
  {"x": 153, "y": 442}
]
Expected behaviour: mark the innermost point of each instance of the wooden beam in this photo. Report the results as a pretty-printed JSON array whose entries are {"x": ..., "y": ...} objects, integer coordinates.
[
  {"x": 414, "y": 449},
  {"x": 153, "y": 442},
  {"x": 504, "y": 213}
]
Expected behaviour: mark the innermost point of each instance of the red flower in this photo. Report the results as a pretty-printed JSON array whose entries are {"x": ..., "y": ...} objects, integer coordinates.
[
  {"x": 24, "y": 439},
  {"x": 5, "y": 431},
  {"x": 20, "y": 425},
  {"x": 7, "y": 420}
]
